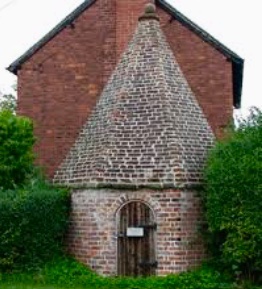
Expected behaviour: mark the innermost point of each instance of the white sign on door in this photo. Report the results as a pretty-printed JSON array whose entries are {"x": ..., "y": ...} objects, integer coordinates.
[{"x": 135, "y": 232}]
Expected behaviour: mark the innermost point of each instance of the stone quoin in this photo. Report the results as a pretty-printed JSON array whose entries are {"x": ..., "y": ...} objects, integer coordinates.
[{"x": 127, "y": 105}]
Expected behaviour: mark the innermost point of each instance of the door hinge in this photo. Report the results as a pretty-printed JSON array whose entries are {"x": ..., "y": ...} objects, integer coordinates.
[
  {"x": 149, "y": 226},
  {"x": 153, "y": 264}
]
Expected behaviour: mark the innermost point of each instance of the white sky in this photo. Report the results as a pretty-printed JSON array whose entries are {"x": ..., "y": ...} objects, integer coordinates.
[{"x": 237, "y": 24}]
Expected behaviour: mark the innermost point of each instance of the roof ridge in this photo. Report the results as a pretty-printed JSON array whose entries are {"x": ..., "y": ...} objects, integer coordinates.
[
  {"x": 237, "y": 61},
  {"x": 196, "y": 28}
]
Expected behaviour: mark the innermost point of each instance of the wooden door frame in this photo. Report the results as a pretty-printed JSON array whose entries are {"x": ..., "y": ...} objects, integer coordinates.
[{"x": 117, "y": 220}]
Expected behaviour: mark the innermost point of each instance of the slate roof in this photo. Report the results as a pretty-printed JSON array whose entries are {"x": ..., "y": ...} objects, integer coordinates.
[
  {"x": 237, "y": 61},
  {"x": 147, "y": 129}
]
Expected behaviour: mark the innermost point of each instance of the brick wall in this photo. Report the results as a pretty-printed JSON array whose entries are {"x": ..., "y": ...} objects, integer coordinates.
[
  {"x": 92, "y": 236},
  {"x": 127, "y": 13},
  {"x": 59, "y": 85},
  {"x": 147, "y": 127},
  {"x": 208, "y": 72}
]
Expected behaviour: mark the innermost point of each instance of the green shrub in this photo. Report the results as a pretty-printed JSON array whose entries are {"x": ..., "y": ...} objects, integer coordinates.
[
  {"x": 67, "y": 273},
  {"x": 16, "y": 153},
  {"x": 233, "y": 198},
  {"x": 33, "y": 222}
]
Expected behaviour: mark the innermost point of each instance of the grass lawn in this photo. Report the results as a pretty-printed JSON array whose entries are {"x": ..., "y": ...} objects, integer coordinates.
[
  {"x": 66, "y": 273},
  {"x": 23, "y": 286}
]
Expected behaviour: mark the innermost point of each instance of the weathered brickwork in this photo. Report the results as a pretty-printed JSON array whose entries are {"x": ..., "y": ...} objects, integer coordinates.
[
  {"x": 93, "y": 236},
  {"x": 139, "y": 117},
  {"x": 59, "y": 85},
  {"x": 147, "y": 127},
  {"x": 127, "y": 13},
  {"x": 208, "y": 72}
]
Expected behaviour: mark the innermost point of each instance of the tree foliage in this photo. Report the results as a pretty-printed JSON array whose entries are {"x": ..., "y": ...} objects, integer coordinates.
[
  {"x": 233, "y": 197},
  {"x": 33, "y": 213},
  {"x": 9, "y": 101},
  {"x": 16, "y": 149}
]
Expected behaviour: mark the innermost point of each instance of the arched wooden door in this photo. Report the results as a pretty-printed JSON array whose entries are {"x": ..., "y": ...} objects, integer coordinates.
[{"x": 136, "y": 240}]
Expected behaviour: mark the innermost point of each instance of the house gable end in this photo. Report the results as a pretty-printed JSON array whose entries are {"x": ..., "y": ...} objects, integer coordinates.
[
  {"x": 72, "y": 71},
  {"x": 237, "y": 61},
  {"x": 68, "y": 20}
]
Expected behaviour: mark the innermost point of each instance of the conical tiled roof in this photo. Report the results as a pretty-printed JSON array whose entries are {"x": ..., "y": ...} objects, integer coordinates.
[{"x": 147, "y": 128}]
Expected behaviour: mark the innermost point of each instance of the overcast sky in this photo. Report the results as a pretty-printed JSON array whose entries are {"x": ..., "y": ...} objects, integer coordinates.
[{"x": 237, "y": 24}]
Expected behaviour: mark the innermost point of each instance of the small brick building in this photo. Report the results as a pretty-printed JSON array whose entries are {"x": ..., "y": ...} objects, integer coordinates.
[{"x": 125, "y": 111}]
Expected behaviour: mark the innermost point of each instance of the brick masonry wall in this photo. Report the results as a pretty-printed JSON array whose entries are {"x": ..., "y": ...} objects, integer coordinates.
[
  {"x": 208, "y": 72},
  {"x": 60, "y": 84},
  {"x": 92, "y": 236},
  {"x": 127, "y": 13},
  {"x": 147, "y": 127}
]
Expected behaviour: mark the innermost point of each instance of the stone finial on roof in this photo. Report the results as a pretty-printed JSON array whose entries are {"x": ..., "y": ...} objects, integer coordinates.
[{"x": 149, "y": 12}]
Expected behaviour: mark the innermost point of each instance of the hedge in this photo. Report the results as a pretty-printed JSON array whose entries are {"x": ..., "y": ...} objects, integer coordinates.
[{"x": 33, "y": 221}]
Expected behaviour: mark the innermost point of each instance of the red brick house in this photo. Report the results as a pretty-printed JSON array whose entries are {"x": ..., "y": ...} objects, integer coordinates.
[{"x": 125, "y": 112}]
